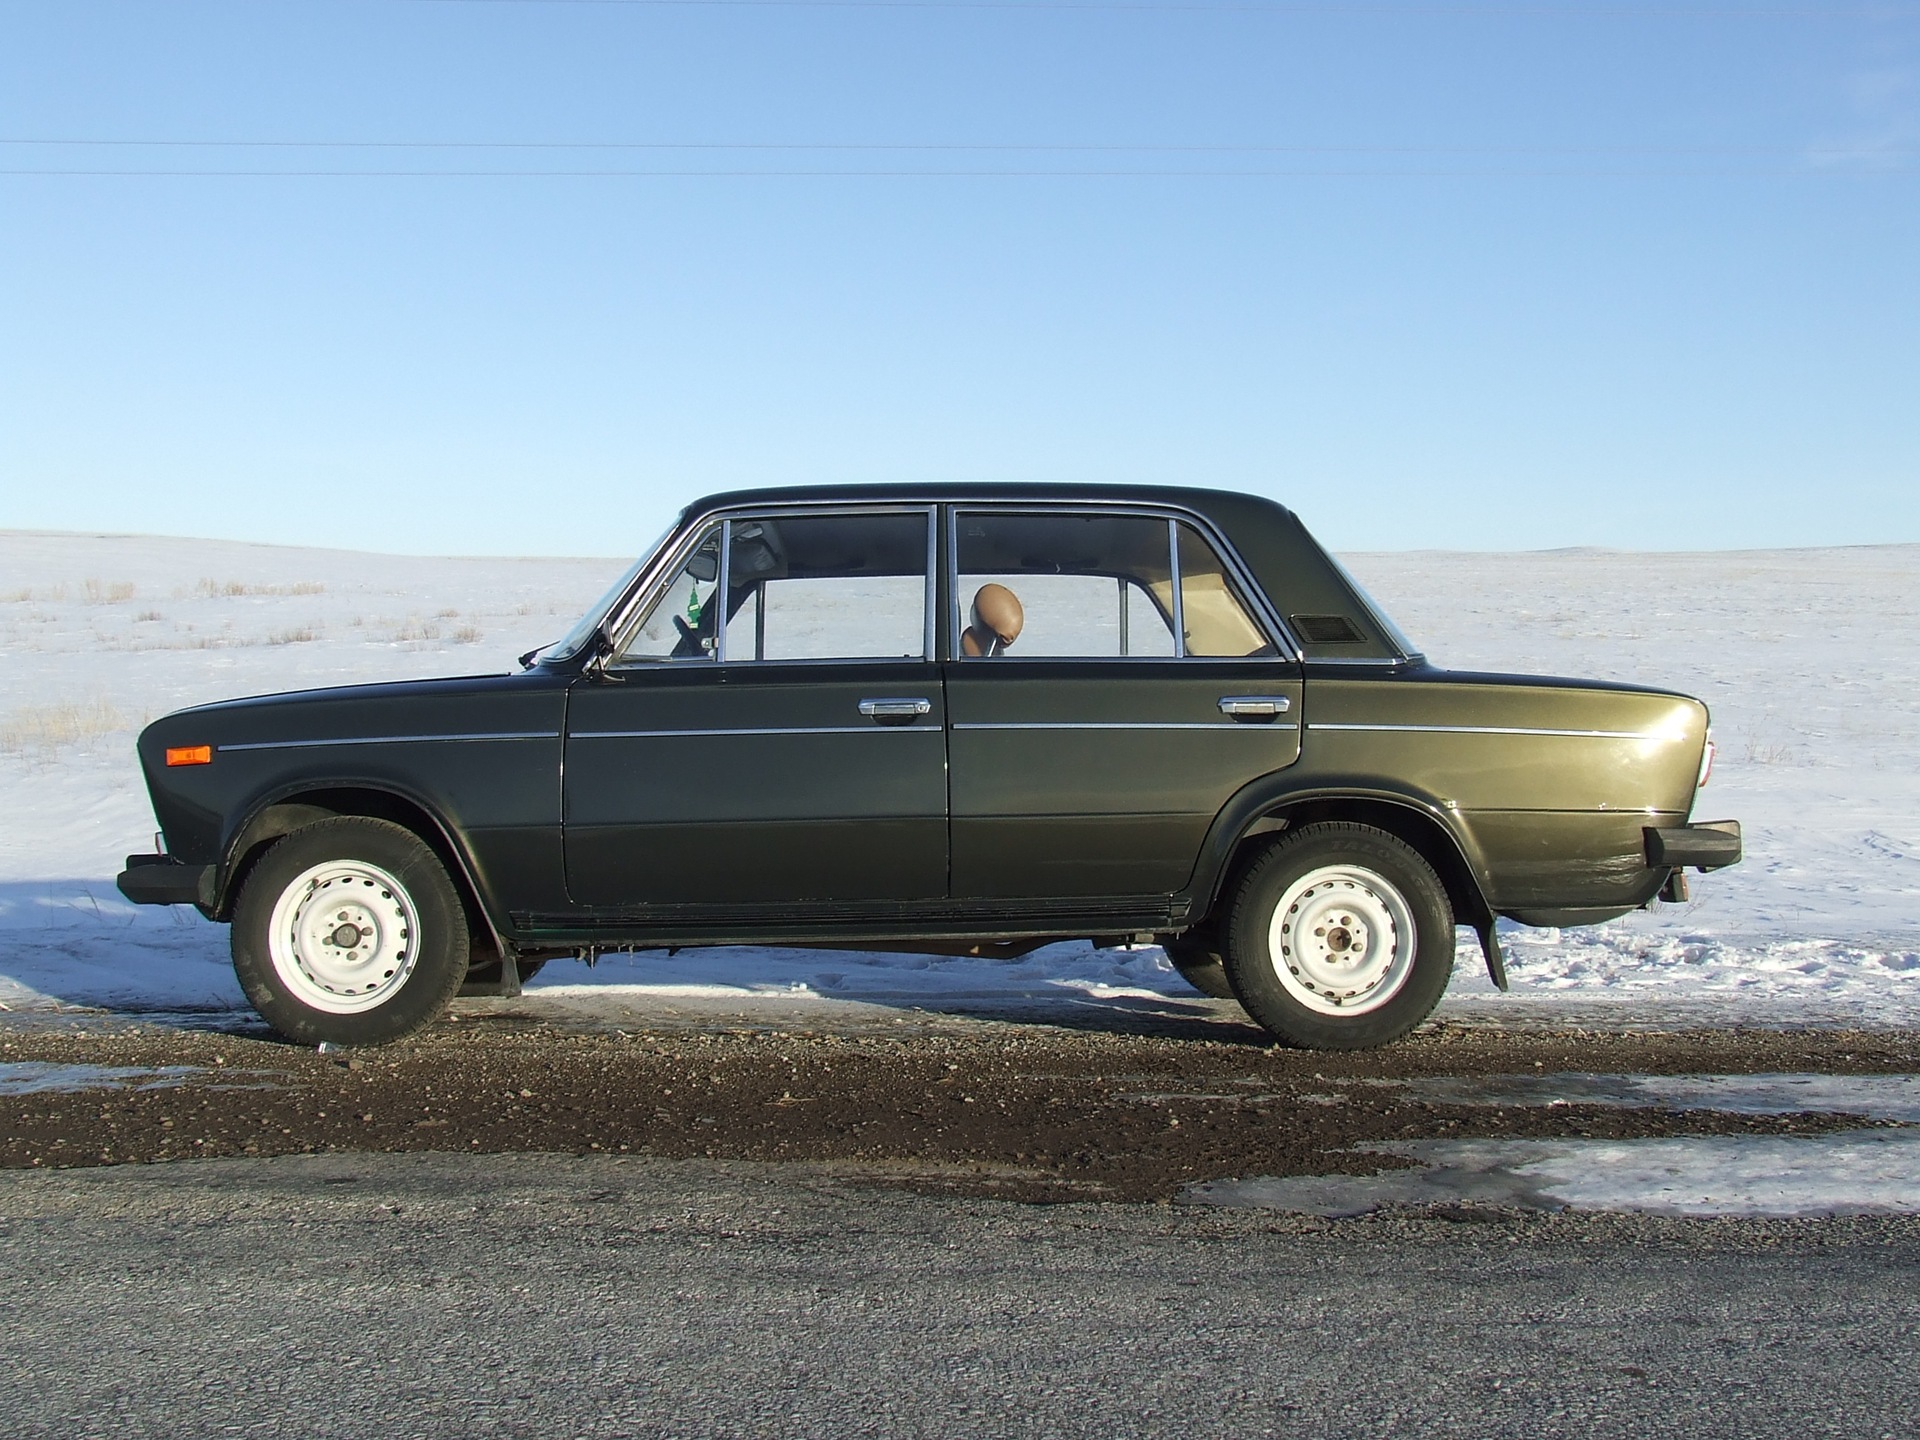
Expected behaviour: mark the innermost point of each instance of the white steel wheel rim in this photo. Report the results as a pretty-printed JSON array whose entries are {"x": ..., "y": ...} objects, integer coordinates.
[
  {"x": 1342, "y": 940},
  {"x": 344, "y": 937}
]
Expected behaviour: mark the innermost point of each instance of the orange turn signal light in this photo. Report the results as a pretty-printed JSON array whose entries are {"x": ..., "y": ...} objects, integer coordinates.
[{"x": 189, "y": 755}]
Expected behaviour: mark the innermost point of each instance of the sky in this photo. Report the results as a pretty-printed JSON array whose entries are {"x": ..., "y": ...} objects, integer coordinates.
[{"x": 527, "y": 276}]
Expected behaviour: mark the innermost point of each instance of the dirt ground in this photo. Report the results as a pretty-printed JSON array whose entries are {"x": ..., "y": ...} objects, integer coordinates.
[{"x": 1022, "y": 1111}]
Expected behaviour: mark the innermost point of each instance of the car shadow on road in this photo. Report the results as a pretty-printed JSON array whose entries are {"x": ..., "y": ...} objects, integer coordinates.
[{"x": 73, "y": 947}]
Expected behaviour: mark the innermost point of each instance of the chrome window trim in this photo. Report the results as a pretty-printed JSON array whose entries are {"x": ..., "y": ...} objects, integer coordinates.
[
  {"x": 1260, "y": 609},
  {"x": 1179, "y": 599},
  {"x": 620, "y": 615},
  {"x": 720, "y": 591},
  {"x": 645, "y": 592},
  {"x": 391, "y": 740},
  {"x": 1377, "y": 660}
]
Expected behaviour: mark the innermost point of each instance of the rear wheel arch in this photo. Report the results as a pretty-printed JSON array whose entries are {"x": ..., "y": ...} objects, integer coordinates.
[
  {"x": 1416, "y": 824},
  {"x": 282, "y": 815}
]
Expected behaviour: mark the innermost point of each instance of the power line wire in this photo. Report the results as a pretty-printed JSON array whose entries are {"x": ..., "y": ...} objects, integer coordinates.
[
  {"x": 1819, "y": 152},
  {"x": 1284, "y": 8},
  {"x": 957, "y": 174}
]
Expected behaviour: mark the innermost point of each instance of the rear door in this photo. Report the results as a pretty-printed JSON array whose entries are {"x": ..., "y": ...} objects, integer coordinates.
[
  {"x": 772, "y": 731},
  {"x": 1091, "y": 750}
]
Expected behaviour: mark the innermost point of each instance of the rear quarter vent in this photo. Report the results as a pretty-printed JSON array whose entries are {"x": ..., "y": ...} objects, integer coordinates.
[{"x": 1327, "y": 630}]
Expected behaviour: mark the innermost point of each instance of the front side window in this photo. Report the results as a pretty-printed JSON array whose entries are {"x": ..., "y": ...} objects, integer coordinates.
[
  {"x": 827, "y": 587},
  {"x": 1093, "y": 586},
  {"x": 680, "y": 624}
]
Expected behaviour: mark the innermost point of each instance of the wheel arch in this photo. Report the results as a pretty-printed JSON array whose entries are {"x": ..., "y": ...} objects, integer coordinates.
[
  {"x": 282, "y": 812},
  {"x": 1422, "y": 822}
]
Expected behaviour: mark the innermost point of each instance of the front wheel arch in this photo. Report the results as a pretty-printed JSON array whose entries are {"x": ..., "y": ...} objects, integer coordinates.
[
  {"x": 282, "y": 815},
  {"x": 349, "y": 931}
]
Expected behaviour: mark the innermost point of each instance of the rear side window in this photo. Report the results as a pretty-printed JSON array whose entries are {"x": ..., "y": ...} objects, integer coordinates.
[
  {"x": 1093, "y": 586},
  {"x": 1215, "y": 621},
  {"x": 1063, "y": 585}
]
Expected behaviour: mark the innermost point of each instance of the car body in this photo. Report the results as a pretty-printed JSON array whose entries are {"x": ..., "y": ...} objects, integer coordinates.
[{"x": 860, "y": 756}]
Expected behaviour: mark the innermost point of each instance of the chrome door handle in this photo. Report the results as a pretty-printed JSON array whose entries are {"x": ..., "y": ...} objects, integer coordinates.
[
  {"x": 906, "y": 709},
  {"x": 1254, "y": 707}
]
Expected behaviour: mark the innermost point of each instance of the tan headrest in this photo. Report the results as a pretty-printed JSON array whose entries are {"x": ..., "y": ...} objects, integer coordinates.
[{"x": 997, "y": 608}]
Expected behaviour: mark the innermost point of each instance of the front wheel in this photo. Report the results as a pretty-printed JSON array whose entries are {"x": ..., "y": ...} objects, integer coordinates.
[
  {"x": 350, "y": 931},
  {"x": 1340, "y": 938},
  {"x": 1201, "y": 965}
]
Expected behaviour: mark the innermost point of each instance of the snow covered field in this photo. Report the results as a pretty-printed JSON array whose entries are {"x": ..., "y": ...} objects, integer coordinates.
[{"x": 1808, "y": 659}]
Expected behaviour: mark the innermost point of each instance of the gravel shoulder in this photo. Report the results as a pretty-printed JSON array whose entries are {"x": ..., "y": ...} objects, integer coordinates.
[{"x": 984, "y": 1108}]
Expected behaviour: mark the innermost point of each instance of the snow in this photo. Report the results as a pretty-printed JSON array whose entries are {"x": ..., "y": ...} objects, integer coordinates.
[
  {"x": 1876, "y": 1097},
  {"x": 1855, "y": 1173},
  {"x": 42, "y": 1077},
  {"x": 1806, "y": 657}
]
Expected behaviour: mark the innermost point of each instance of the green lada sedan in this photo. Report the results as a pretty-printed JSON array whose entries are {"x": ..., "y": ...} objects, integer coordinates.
[{"x": 966, "y": 720}]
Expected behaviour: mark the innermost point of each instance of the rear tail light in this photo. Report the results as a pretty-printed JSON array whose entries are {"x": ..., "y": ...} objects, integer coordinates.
[
  {"x": 189, "y": 755},
  {"x": 1706, "y": 763}
]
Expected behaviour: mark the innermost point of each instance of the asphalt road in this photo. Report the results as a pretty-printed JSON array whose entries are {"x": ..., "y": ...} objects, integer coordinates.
[
  {"x": 444, "y": 1295},
  {"x": 511, "y": 1227}
]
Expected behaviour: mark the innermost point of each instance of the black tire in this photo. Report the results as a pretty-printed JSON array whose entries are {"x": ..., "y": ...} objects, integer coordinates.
[
  {"x": 1201, "y": 966},
  {"x": 1355, "y": 895},
  {"x": 409, "y": 949}
]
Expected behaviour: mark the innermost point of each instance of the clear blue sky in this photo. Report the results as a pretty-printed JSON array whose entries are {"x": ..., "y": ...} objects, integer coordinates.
[{"x": 1514, "y": 275}]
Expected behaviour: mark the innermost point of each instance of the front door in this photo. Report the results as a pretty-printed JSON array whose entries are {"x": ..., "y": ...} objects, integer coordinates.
[
  {"x": 771, "y": 732},
  {"x": 1092, "y": 747}
]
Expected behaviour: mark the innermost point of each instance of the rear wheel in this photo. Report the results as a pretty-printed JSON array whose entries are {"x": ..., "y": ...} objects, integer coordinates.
[
  {"x": 349, "y": 930},
  {"x": 1340, "y": 937}
]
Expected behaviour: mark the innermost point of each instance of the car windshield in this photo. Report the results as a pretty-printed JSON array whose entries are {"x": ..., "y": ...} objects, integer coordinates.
[{"x": 571, "y": 643}]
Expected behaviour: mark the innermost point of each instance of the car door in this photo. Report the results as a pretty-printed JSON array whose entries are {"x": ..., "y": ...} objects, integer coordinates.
[
  {"x": 770, "y": 731},
  {"x": 1091, "y": 749}
]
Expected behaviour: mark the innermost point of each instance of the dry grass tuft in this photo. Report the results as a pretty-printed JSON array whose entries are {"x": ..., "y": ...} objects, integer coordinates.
[
  {"x": 102, "y": 592},
  {"x": 292, "y": 637},
  {"x": 221, "y": 589},
  {"x": 465, "y": 635},
  {"x": 41, "y": 730}
]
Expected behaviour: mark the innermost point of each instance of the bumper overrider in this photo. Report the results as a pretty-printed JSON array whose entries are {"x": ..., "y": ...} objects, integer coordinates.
[
  {"x": 163, "y": 880},
  {"x": 1703, "y": 845}
]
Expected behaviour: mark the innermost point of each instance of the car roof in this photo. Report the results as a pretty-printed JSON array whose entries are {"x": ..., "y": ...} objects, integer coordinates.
[{"x": 1224, "y": 507}]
